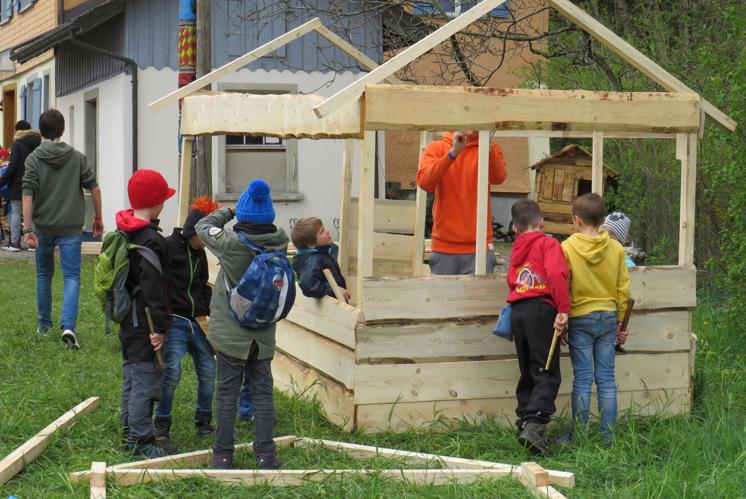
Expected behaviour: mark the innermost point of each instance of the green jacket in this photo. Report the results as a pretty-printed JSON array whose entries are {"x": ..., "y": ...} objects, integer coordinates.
[
  {"x": 225, "y": 335},
  {"x": 55, "y": 176}
]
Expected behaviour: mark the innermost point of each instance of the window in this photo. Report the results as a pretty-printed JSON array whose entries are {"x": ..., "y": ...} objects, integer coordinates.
[
  {"x": 584, "y": 187},
  {"x": 243, "y": 158}
]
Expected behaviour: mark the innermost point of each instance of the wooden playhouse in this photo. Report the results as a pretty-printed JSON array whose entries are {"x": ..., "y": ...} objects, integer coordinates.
[
  {"x": 560, "y": 178},
  {"x": 413, "y": 347}
]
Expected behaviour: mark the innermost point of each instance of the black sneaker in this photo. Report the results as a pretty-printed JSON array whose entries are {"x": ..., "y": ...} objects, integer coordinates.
[
  {"x": 70, "y": 339},
  {"x": 532, "y": 437},
  {"x": 268, "y": 461},
  {"x": 202, "y": 423},
  {"x": 151, "y": 450},
  {"x": 222, "y": 460},
  {"x": 162, "y": 427},
  {"x": 43, "y": 331}
]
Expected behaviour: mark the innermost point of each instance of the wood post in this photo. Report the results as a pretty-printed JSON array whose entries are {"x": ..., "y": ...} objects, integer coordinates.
[
  {"x": 597, "y": 164},
  {"x": 344, "y": 206},
  {"x": 686, "y": 152},
  {"x": 201, "y": 180},
  {"x": 420, "y": 218},
  {"x": 365, "y": 213},
  {"x": 98, "y": 480},
  {"x": 480, "y": 262},
  {"x": 184, "y": 178}
]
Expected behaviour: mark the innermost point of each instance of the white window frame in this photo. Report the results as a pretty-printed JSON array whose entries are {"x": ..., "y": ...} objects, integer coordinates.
[{"x": 291, "y": 193}]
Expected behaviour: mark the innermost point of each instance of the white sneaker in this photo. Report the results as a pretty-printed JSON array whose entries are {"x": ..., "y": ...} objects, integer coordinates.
[
  {"x": 11, "y": 248},
  {"x": 70, "y": 339}
]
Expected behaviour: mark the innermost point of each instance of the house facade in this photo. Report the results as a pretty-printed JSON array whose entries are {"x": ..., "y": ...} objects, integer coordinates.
[
  {"x": 28, "y": 89},
  {"x": 99, "y": 45}
]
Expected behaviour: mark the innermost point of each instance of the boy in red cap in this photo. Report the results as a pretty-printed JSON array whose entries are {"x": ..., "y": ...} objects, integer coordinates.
[{"x": 146, "y": 285}]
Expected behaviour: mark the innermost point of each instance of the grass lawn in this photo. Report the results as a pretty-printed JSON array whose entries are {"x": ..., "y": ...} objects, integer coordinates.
[{"x": 701, "y": 455}]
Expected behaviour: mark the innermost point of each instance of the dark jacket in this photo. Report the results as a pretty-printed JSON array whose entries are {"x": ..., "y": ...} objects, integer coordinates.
[
  {"x": 24, "y": 143},
  {"x": 309, "y": 265},
  {"x": 226, "y": 336},
  {"x": 147, "y": 286},
  {"x": 190, "y": 293},
  {"x": 55, "y": 176}
]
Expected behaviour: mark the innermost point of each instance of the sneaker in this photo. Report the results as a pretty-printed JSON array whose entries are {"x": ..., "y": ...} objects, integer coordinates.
[
  {"x": 43, "y": 331},
  {"x": 563, "y": 440},
  {"x": 202, "y": 423},
  {"x": 11, "y": 248},
  {"x": 70, "y": 339},
  {"x": 267, "y": 461},
  {"x": 162, "y": 427},
  {"x": 222, "y": 460},
  {"x": 151, "y": 450},
  {"x": 532, "y": 437}
]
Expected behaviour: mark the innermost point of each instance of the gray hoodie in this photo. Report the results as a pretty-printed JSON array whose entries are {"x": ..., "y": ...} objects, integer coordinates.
[{"x": 55, "y": 176}]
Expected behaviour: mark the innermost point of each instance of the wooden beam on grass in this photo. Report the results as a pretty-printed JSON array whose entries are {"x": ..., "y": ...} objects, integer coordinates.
[
  {"x": 14, "y": 462},
  {"x": 355, "y": 90},
  {"x": 344, "y": 206},
  {"x": 483, "y": 198},
  {"x": 686, "y": 152},
  {"x": 185, "y": 175},
  {"x": 366, "y": 214},
  {"x": 364, "y": 452},
  {"x": 236, "y": 64},
  {"x": 98, "y": 480},
  {"x": 634, "y": 57},
  {"x": 407, "y": 107},
  {"x": 597, "y": 164}
]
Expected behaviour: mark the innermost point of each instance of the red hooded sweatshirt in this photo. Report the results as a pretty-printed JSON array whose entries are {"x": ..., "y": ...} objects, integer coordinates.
[
  {"x": 454, "y": 183},
  {"x": 538, "y": 269}
]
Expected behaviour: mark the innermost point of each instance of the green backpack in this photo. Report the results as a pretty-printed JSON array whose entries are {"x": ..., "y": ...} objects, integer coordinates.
[{"x": 111, "y": 273}]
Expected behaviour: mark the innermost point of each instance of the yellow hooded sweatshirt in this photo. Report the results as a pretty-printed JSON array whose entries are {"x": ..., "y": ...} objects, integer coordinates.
[{"x": 599, "y": 281}]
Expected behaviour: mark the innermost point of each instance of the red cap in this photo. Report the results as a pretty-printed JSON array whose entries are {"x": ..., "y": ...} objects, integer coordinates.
[{"x": 148, "y": 188}]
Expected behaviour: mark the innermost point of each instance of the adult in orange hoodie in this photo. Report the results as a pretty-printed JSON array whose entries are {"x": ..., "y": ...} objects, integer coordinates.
[{"x": 449, "y": 168}]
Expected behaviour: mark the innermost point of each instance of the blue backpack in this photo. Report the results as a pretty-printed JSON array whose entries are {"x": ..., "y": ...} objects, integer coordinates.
[
  {"x": 266, "y": 292},
  {"x": 4, "y": 193}
]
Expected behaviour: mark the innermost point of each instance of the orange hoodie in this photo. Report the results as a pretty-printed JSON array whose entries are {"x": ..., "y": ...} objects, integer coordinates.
[{"x": 455, "y": 187}]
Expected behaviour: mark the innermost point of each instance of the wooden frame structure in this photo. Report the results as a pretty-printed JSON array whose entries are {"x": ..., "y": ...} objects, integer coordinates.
[
  {"x": 539, "y": 481},
  {"x": 416, "y": 348}
]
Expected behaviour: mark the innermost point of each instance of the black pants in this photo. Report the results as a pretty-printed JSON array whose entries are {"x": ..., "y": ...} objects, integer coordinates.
[
  {"x": 533, "y": 327},
  {"x": 231, "y": 375}
]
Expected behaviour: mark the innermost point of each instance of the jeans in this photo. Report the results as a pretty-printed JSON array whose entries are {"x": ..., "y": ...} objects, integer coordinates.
[
  {"x": 592, "y": 338},
  {"x": 15, "y": 222},
  {"x": 186, "y": 336},
  {"x": 245, "y": 403},
  {"x": 231, "y": 373},
  {"x": 140, "y": 388},
  {"x": 70, "y": 262}
]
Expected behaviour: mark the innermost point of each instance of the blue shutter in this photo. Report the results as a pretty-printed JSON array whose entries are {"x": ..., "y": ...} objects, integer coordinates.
[
  {"x": 422, "y": 8},
  {"x": 6, "y": 10},
  {"x": 502, "y": 11},
  {"x": 24, "y": 100},
  {"x": 35, "y": 102},
  {"x": 22, "y": 4}
]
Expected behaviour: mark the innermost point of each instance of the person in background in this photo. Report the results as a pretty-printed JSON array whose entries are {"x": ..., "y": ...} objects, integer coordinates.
[{"x": 617, "y": 224}]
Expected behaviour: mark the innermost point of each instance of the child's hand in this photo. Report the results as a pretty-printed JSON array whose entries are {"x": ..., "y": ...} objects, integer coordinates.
[
  {"x": 346, "y": 294},
  {"x": 156, "y": 340},
  {"x": 204, "y": 323},
  {"x": 560, "y": 322},
  {"x": 621, "y": 336}
]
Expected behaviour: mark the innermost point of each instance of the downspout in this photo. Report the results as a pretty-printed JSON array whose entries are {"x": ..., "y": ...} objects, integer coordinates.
[{"x": 132, "y": 68}]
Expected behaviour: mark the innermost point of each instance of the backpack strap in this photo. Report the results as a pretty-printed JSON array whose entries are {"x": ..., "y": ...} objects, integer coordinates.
[
  {"x": 256, "y": 249},
  {"x": 150, "y": 256}
]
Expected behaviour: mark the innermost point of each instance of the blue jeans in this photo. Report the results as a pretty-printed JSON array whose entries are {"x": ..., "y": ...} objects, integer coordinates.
[
  {"x": 70, "y": 262},
  {"x": 245, "y": 402},
  {"x": 186, "y": 336},
  {"x": 592, "y": 338}
]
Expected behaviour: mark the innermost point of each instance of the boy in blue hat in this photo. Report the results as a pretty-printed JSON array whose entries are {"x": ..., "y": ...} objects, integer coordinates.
[{"x": 242, "y": 354}]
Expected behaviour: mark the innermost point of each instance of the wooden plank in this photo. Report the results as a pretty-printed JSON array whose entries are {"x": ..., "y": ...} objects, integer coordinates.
[
  {"x": 366, "y": 212},
  {"x": 398, "y": 107},
  {"x": 420, "y": 218},
  {"x": 386, "y": 383},
  {"x": 559, "y": 184},
  {"x": 558, "y": 228},
  {"x": 570, "y": 134},
  {"x": 90, "y": 248},
  {"x": 296, "y": 379},
  {"x": 446, "y": 415},
  {"x": 14, "y": 462},
  {"x": 236, "y": 64},
  {"x": 433, "y": 297},
  {"x": 345, "y": 216},
  {"x": 349, "y": 49},
  {"x": 597, "y": 166},
  {"x": 338, "y": 294},
  {"x": 534, "y": 475},
  {"x": 355, "y": 89},
  {"x": 195, "y": 458},
  {"x": 327, "y": 317},
  {"x": 664, "y": 287},
  {"x": 562, "y": 208},
  {"x": 686, "y": 151},
  {"x": 569, "y": 188},
  {"x": 387, "y": 246},
  {"x": 391, "y": 215},
  {"x": 98, "y": 480},
  {"x": 288, "y": 116},
  {"x": 314, "y": 350},
  {"x": 384, "y": 268},
  {"x": 185, "y": 175},
  {"x": 366, "y": 452},
  {"x": 633, "y": 56},
  {"x": 480, "y": 258},
  {"x": 285, "y": 478}
]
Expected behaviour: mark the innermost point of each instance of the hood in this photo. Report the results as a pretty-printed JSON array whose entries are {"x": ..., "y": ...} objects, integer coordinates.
[
  {"x": 522, "y": 245},
  {"x": 273, "y": 241},
  {"x": 55, "y": 154},
  {"x": 29, "y": 138},
  {"x": 127, "y": 221},
  {"x": 590, "y": 248},
  {"x": 448, "y": 139}
]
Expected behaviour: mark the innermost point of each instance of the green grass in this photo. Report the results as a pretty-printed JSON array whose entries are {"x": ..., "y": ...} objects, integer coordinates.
[{"x": 701, "y": 455}]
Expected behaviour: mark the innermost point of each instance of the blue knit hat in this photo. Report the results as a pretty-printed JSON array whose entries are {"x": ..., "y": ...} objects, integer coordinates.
[{"x": 255, "y": 204}]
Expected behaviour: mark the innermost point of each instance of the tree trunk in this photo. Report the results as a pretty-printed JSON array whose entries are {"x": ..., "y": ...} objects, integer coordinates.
[{"x": 201, "y": 181}]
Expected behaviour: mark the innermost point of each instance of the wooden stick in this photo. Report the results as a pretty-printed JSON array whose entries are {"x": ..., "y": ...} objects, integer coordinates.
[
  {"x": 365, "y": 212},
  {"x": 406, "y": 56},
  {"x": 597, "y": 164},
  {"x": 98, "y": 480},
  {"x": 536, "y": 480},
  {"x": 483, "y": 198},
  {"x": 335, "y": 287},
  {"x": 344, "y": 207},
  {"x": 557, "y": 334},
  {"x": 420, "y": 217},
  {"x": 686, "y": 152},
  {"x": 185, "y": 175},
  {"x": 32, "y": 448},
  {"x": 236, "y": 64}
]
